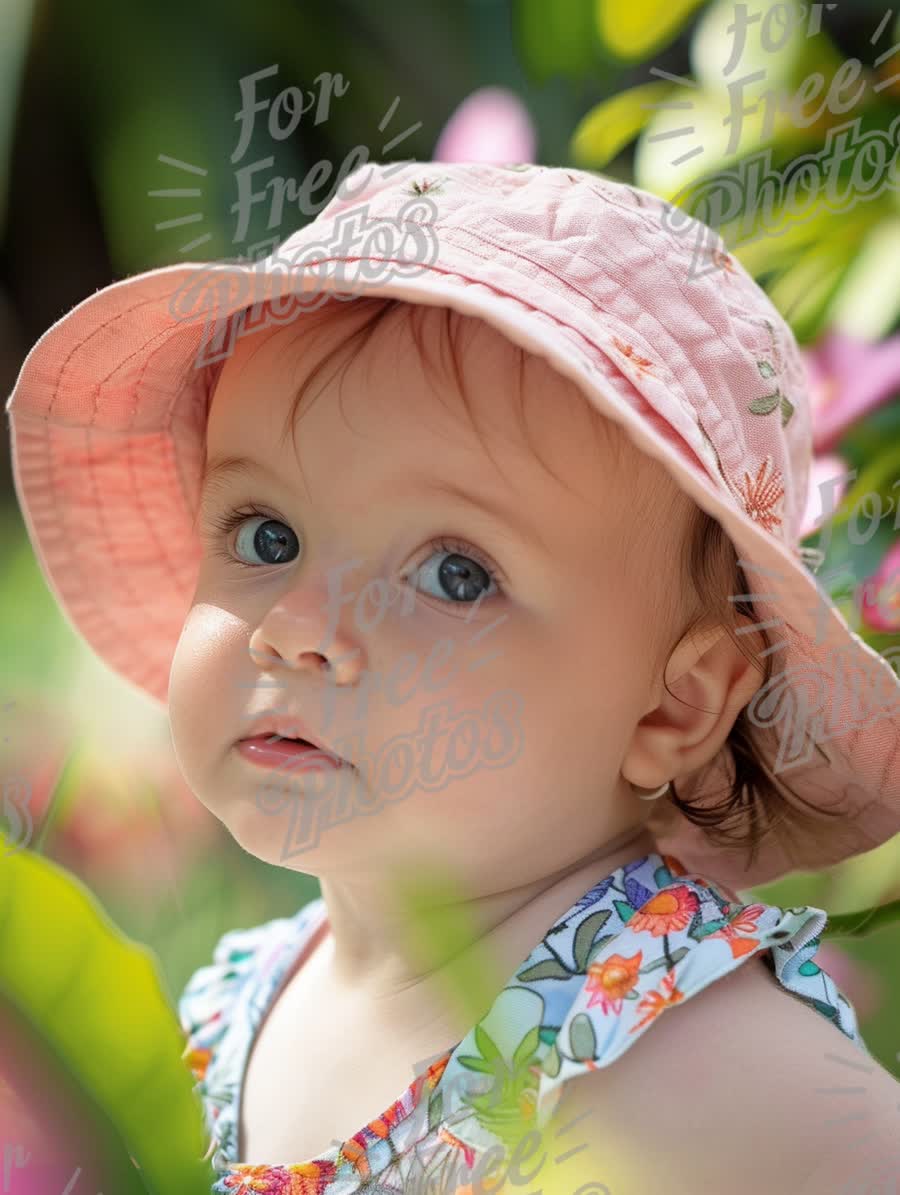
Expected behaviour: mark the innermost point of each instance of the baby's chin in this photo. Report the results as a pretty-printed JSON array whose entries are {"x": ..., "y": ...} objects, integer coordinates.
[
  {"x": 268, "y": 836},
  {"x": 275, "y": 819}
]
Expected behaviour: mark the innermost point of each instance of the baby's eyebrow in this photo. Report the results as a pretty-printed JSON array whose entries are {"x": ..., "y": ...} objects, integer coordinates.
[
  {"x": 513, "y": 518},
  {"x": 219, "y": 468},
  {"x": 411, "y": 487}
]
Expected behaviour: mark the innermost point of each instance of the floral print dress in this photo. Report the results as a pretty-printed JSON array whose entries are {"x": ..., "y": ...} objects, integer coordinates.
[{"x": 639, "y": 942}]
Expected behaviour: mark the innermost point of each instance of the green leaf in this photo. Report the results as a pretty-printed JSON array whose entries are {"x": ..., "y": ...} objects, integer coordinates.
[
  {"x": 862, "y": 923},
  {"x": 64, "y": 965},
  {"x": 675, "y": 956},
  {"x": 473, "y": 1063},
  {"x": 703, "y": 930},
  {"x": 585, "y": 934},
  {"x": 633, "y": 29},
  {"x": 597, "y": 948},
  {"x": 527, "y": 1048},
  {"x": 787, "y": 410},
  {"x": 611, "y": 124},
  {"x": 767, "y": 370},
  {"x": 867, "y": 304},
  {"x": 435, "y": 1110},
  {"x": 547, "y": 969},
  {"x": 582, "y": 1038},
  {"x": 552, "y": 1062},
  {"x": 804, "y": 292},
  {"x": 765, "y": 405},
  {"x": 485, "y": 1043}
]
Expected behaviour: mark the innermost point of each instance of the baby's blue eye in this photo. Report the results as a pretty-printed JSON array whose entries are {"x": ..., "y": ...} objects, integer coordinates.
[
  {"x": 271, "y": 539},
  {"x": 459, "y": 578}
]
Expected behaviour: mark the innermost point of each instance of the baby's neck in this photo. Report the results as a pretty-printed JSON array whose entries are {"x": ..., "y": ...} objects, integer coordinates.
[{"x": 456, "y": 968}]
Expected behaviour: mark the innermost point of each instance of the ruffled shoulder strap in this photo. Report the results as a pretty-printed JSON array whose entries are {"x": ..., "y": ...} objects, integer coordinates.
[
  {"x": 223, "y": 1002},
  {"x": 210, "y": 993},
  {"x": 640, "y": 942},
  {"x": 673, "y": 941}
]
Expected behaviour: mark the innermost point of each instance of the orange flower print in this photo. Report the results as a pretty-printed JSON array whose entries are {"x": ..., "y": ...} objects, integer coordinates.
[
  {"x": 642, "y": 363},
  {"x": 675, "y": 866},
  {"x": 382, "y": 1125},
  {"x": 746, "y": 922},
  {"x": 467, "y": 1150},
  {"x": 307, "y": 1178},
  {"x": 762, "y": 495},
  {"x": 527, "y": 1103},
  {"x": 354, "y": 1151},
  {"x": 609, "y": 982},
  {"x": 653, "y": 1003},
  {"x": 671, "y": 909},
  {"x": 197, "y": 1062}
]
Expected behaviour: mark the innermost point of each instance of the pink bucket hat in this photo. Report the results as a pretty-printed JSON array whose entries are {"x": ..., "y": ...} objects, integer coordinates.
[{"x": 643, "y": 308}]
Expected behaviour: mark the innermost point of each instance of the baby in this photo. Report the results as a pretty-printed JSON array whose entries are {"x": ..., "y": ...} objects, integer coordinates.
[{"x": 467, "y": 581}]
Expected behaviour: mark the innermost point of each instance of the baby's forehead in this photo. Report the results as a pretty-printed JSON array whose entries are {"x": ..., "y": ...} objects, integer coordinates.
[
  {"x": 447, "y": 372},
  {"x": 417, "y": 378}
]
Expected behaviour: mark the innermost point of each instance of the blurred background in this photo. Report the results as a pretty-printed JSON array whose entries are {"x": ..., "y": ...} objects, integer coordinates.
[{"x": 122, "y": 147}]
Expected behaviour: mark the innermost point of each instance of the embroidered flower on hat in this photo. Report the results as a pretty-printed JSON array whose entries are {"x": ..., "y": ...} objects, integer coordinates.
[
  {"x": 428, "y": 186},
  {"x": 762, "y": 495},
  {"x": 642, "y": 364},
  {"x": 768, "y": 402},
  {"x": 721, "y": 260},
  {"x": 609, "y": 190}
]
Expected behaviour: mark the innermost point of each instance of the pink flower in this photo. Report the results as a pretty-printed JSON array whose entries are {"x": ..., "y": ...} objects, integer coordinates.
[
  {"x": 822, "y": 500},
  {"x": 491, "y": 125},
  {"x": 848, "y": 378},
  {"x": 880, "y": 608}
]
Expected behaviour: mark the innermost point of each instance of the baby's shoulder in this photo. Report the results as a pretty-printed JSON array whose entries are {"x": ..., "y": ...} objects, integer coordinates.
[{"x": 742, "y": 1088}]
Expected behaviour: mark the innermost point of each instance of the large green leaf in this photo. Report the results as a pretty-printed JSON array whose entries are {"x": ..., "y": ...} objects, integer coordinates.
[
  {"x": 863, "y": 922},
  {"x": 868, "y": 303},
  {"x": 97, "y": 1001},
  {"x": 803, "y": 292},
  {"x": 612, "y": 123},
  {"x": 632, "y": 29}
]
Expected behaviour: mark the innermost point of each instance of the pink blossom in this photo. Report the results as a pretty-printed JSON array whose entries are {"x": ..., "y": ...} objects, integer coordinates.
[
  {"x": 491, "y": 125},
  {"x": 880, "y": 607},
  {"x": 848, "y": 378},
  {"x": 822, "y": 500}
]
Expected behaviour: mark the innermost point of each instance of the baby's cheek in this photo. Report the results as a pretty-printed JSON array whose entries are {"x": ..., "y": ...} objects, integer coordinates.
[{"x": 204, "y": 689}]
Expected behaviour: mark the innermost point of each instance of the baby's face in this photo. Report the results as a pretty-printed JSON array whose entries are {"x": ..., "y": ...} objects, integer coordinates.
[{"x": 521, "y": 644}]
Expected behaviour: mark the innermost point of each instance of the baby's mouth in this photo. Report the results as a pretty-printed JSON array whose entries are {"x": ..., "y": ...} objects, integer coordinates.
[{"x": 273, "y": 747}]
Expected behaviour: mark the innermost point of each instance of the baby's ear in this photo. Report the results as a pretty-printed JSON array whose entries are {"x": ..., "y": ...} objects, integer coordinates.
[{"x": 708, "y": 681}]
